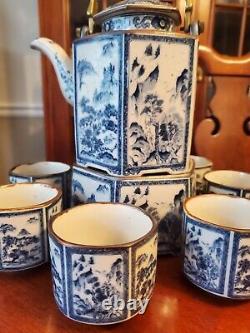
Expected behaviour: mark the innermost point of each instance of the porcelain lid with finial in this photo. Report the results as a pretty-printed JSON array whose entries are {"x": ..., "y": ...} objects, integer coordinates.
[{"x": 143, "y": 7}]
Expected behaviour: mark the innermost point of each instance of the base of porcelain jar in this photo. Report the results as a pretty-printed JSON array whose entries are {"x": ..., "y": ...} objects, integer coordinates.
[{"x": 160, "y": 195}]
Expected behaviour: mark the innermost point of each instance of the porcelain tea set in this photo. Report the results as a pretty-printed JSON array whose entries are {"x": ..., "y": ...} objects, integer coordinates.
[{"x": 133, "y": 90}]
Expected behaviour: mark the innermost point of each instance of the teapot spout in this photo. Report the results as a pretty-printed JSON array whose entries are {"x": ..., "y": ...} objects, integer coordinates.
[{"x": 61, "y": 63}]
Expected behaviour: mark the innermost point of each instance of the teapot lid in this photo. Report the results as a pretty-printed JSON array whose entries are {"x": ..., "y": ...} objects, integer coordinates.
[{"x": 128, "y": 7}]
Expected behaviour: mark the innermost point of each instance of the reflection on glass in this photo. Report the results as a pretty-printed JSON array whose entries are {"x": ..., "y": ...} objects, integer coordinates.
[
  {"x": 246, "y": 47},
  {"x": 230, "y": 2},
  {"x": 227, "y": 30}
]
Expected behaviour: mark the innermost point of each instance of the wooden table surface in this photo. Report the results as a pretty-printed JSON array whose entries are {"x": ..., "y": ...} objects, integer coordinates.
[{"x": 27, "y": 306}]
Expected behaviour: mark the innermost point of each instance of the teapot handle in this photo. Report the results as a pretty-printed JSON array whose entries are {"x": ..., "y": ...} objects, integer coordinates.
[
  {"x": 190, "y": 24},
  {"x": 186, "y": 9},
  {"x": 91, "y": 11}
]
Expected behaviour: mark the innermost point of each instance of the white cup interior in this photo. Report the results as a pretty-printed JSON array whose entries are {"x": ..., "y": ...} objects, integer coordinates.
[
  {"x": 222, "y": 210},
  {"x": 234, "y": 179},
  {"x": 201, "y": 162},
  {"x": 40, "y": 169},
  {"x": 102, "y": 225},
  {"x": 25, "y": 195}
]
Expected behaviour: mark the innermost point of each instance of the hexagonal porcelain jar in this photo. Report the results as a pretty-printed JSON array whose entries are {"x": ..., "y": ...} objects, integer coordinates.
[
  {"x": 161, "y": 196},
  {"x": 134, "y": 90}
]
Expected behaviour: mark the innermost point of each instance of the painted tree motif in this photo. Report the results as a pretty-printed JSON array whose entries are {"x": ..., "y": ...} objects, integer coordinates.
[
  {"x": 84, "y": 68},
  {"x": 159, "y": 104},
  {"x": 89, "y": 190},
  {"x": 19, "y": 246},
  {"x": 170, "y": 227},
  {"x": 170, "y": 220},
  {"x": 203, "y": 260},
  {"x": 153, "y": 109},
  {"x": 20, "y": 249},
  {"x": 170, "y": 138},
  {"x": 146, "y": 265},
  {"x": 182, "y": 88},
  {"x": 140, "y": 146},
  {"x": 4, "y": 228},
  {"x": 242, "y": 279},
  {"x": 140, "y": 198},
  {"x": 98, "y": 132},
  {"x": 145, "y": 269},
  {"x": 57, "y": 279},
  {"x": 93, "y": 285}
]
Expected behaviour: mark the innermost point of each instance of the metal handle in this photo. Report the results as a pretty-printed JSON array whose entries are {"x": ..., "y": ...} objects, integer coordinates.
[
  {"x": 91, "y": 11},
  {"x": 188, "y": 25},
  {"x": 188, "y": 15}
]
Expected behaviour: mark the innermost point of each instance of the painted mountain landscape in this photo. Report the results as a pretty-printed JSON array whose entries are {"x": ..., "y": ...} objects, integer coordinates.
[
  {"x": 98, "y": 69},
  {"x": 159, "y": 102},
  {"x": 95, "y": 280},
  {"x": 21, "y": 241}
]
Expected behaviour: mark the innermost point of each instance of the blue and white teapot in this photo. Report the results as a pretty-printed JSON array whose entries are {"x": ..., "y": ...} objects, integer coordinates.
[{"x": 133, "y": 89}]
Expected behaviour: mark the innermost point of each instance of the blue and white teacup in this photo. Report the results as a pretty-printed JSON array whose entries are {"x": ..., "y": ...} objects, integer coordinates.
[
  {"x": 235, "y": 183},
  {"x": 56, "y": 174},
  {"x": 217, "y": 244},
  {"x": 161, "y": 196},
  {"x": 202, "y": 167},
  {"x": 104, "y": 258},
  {"x": 25, "y": 211}
]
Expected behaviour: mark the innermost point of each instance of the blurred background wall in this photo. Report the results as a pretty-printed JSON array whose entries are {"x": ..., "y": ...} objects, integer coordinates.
[{"x": 21, "y": 110}]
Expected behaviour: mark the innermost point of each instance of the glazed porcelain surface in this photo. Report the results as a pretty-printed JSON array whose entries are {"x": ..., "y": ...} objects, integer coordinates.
[
  {"x": 202, "y": 167},
  {"x": 25, "y": 211},
  {"x": 137, "y": 118},
  {"x": 217, "y": 244},
  {"x": 111, "y": 253},
  {"x": 160, "y": 196},
  {"x": 133, "y": 90},
  {"x": 228, "y": 182},
  {"x": 55, "y": 174}
]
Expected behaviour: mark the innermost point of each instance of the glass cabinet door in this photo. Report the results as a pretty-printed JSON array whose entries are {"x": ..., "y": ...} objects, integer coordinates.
[{"x": 231, "y": 31}]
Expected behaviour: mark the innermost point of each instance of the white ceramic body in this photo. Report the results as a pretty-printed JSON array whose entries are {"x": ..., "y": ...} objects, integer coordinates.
[
  {"x": 202, "y": 167},
  {"x": 160, "y": 196},
  {"x": 228, "y": 182},
  {"x": 133, "y": 92},
  {"x": 134, "y": 101},
  {"x": 95, "y": 265},
  {"x": 56, "y": 174},
  {"x": 217, "y": 244},
  {"x": 25, "y": 211}
]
